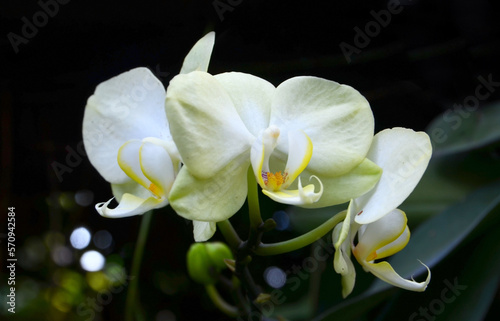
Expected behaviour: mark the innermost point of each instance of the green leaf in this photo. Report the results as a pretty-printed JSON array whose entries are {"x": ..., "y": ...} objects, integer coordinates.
[
  {"x": 434, "y": 193},
  {"x": 480, "y": 279},
  {"x": 437, "y": 237},
  {"x": 458, "y": 130},
  {"x": 355, "y": 307}
]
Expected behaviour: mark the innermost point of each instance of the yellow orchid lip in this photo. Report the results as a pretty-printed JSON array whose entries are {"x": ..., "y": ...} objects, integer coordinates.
[{"x": 275, "y": 183}]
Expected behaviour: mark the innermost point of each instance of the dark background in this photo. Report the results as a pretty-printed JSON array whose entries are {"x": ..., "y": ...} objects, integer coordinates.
[{"x": 427, "y": 59}]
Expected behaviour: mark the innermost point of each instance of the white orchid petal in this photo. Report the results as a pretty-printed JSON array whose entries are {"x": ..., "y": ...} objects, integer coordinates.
[
  {"x": 395, "y": 246},
  {"x": 386, "y": 273},
  {"x": 130, "y": 205},
  {"x": 403, "y": 155},
  {"x": 207, "y": 129},
  {"x": 130, "y": 164},
  {"x": 257, "y": 156},
  {"x": 157, "y": 167},
  {"x": 346, "y": 227},
  {"x": 128, "y": 106},
  {"x": 198, "y": 57},
  {"x": 252, "y": 98},
  {"x": 337, "y": 118},
  {"x": 341, "y": 189},
  {"x": 378, "y": 234},
  {"x": 203, "y": 231},
  {"x": 300, "y": 150},
  {"x": 169, "y": 147},
  {"x": 342, "y": 262},
  {"x": 214, "y": 199},
  {"x": 301, "y": 196},
  {"x": 131, "y": 187},
  {"x": 339, "y": 261}
]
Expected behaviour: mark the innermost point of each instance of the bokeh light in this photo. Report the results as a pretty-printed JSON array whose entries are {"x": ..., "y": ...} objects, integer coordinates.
[
  {"x": 67, "y": 201},
  {"x": 62, "y": 255},
  {"x": 92, "y": 261},
  {"x": 282, "y": 220},
  {"x": 97, "y": 281},
  {"x": 115, "y": 273},
  {"x": 103, "y": 240},
  {"x": 275, "y": 277},
  {"x": 80, "y": 238},
  {"x": 84, "y": 197}
]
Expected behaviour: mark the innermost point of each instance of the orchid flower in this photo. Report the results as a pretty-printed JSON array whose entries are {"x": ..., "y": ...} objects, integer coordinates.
[
  {"x": 128, "y": 141},
  {"x": 306, "y": 126},
  {"x": 380, "y": 227}
]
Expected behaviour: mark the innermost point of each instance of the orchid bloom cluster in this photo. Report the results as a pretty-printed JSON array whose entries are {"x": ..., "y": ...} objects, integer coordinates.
[{"x": 308, "y": 142}]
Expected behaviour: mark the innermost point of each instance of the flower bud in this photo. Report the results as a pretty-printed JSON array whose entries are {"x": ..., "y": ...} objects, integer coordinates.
[
  {"x": 218, "y": 251},
  {"x": 206, "y": 260}
]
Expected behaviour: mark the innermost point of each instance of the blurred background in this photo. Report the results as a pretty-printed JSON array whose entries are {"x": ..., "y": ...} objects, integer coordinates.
[{"x": 426, "y": 65}]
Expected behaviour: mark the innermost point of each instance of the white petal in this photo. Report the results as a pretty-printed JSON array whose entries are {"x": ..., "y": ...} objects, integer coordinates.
[
  {"x": 207, "y": 130},
  {"x": 301, "y": 196},
  {"x": 261, "y": 151},
  {"x": 203, "y": 231},
  {"x": 343, "y": 234},
  {"x": 199, "y": 56},
  {"x": 128, "y": 106},
  {"x": 376, "y": 235},
  {"x": 300, "y": 149},
  {"x": 252, "y": 98},
  {"x": 337, "y": 119},
  {"x": 403, "y": 155},
  {"x": 170, "y": 148},
  {"x": 131, "y": 187},
  {"x": 214, "y": 199},
  {"x": 342, "y": 262},
  {"x": 130, "y": 205},
  {"x": 385, "y": 272},
  {"x": 342, "y": 188},
  {"x": 395, "y": 246},
  {"x": 157, "y": 167},
  {"x": 130, "y": 162}
]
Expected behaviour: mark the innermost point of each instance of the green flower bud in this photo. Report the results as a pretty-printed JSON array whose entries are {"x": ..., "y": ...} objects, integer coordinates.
[
  {"x": 206, "y": 260},
  {"x": 218, "y": 251},
  {"x": 200, "y": 267}
]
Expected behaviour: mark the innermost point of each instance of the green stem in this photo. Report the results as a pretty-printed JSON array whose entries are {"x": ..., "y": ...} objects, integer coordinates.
[
  {"x": 253, "y": 201},
  {"x": 219, "y": 302},
  {"x": 300, "y": 241},
  {"x": 229, "y": 234},
  {"x": 132, "y": 296}
]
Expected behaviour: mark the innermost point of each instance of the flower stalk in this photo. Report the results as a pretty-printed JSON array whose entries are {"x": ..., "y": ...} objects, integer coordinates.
[{"x": 133, "y": 290}]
